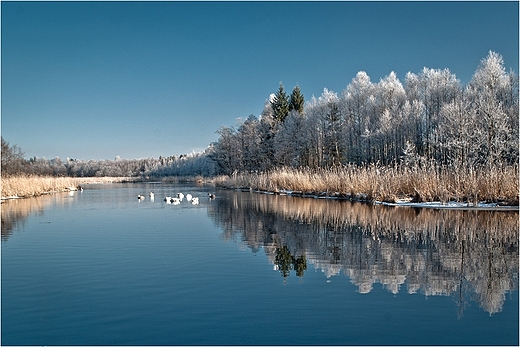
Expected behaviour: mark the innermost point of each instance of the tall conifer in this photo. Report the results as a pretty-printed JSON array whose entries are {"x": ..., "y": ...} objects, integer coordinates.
[
  {"x": 280, "y": 104},
  {"x": 296, "y": 100}
]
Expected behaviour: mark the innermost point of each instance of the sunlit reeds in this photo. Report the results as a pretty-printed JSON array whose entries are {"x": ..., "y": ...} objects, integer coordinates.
[
  {"x": 388, "y": 184},
  {"x": 25, "y": 185}
]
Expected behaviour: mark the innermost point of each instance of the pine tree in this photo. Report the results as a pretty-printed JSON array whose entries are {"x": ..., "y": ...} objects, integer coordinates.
[
  {"x": 280, "y": 104},
  {"x": 296, "y": 100}
]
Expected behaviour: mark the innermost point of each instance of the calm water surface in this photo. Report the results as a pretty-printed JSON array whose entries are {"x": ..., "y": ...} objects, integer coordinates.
[{"x": 99, "y": 267}]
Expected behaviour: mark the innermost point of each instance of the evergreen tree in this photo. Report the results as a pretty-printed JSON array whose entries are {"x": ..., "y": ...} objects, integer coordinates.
[
  {"x": 280, "y": 104},
  {"x": 296, "y": 100}
]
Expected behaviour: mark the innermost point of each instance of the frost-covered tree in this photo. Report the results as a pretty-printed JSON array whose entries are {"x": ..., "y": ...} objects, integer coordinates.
[
  {"x": 313, "y": 134},
  {"x": 433, "y": 88},
  {"x": 355, "y": 106},
  {"x": 387, "y": 118},
  {"x": 249, "y": 140},
  {"x": 489, "y": 91},
  {"x": 289, "y": 141},
  {"x": 332, "y": 124},
  {"x": 226, "y": 153},
  {"x": 456, "y": 134}
]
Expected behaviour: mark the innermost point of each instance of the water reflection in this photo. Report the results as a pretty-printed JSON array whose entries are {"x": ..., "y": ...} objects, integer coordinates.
[
  {"x": 470, "y": 255},
  {"x": 14, "y": 212}
]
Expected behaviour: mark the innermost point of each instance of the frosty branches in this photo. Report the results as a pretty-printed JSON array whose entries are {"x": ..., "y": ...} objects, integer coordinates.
[{"x": 432, "y": 117}]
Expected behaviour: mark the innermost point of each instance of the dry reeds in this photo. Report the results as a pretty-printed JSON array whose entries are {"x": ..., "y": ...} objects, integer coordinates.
[
  {"x": 388, "y": 184},
  {"x": 26, "y": 185}
]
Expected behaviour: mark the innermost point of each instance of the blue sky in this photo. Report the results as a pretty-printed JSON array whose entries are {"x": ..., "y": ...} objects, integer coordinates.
[{"x": 92, "y": 80}]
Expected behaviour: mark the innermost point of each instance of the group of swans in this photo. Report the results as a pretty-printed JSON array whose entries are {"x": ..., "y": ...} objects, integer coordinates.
[{"x": 177, "y": 200}]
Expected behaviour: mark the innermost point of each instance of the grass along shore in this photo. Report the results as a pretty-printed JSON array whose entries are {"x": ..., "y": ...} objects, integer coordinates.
[
  {"x": 22, "y": 186},
  {"x": 387, "y": 184}
]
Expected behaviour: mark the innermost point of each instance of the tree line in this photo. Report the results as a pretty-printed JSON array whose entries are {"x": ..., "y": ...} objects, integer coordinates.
[
  {"x": 196, "y": 163},
  {"x": 432, "y": 117}
]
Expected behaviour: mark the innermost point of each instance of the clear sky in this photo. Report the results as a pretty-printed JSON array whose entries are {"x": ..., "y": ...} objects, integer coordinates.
[{"x": 92, "y": 80}]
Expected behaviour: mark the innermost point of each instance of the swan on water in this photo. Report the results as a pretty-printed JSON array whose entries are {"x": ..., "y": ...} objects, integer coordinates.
[
  {"x": 168, "y": 199},
  {"x": 180, "y": 196},
  {"x": 152, "y": 195},
  {"x": 195, "y": 201},
  {"x": 140, "y": 197},
  {"x": 175, "y": 201},
  {"x": 189, "y": 197}
]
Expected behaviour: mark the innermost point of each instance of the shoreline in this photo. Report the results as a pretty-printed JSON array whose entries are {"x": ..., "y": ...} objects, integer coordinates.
[
  {"x": 451, "y": 205},
  {"x": 389, "y": 186}
]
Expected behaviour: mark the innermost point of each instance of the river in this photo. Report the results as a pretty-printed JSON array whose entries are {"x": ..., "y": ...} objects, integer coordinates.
[{"x": 100, "y": 267}]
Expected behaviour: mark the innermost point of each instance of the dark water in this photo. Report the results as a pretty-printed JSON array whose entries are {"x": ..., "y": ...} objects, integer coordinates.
[{"x": 99, "y": 267}]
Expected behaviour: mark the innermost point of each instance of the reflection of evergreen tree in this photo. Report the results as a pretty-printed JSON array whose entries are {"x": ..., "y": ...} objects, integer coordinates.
[
  {"x": 300, "y": 265},
  {"x": 286, "y": 262}
]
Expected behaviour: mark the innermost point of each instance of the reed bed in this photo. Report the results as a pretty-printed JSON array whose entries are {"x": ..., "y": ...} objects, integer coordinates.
[
  {"x": 387, "y": 184},
  {"x": 26, "y": 186},
  {"x": 22, "y": 186}
]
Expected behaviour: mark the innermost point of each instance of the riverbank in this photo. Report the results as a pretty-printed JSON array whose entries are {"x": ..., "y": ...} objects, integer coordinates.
[{"x": 389, "y": 185}]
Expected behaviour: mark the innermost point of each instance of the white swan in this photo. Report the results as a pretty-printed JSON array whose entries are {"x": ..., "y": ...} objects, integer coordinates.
[
  {"x": 140, "y": 197},
  {"x": 195, "y": 201},
  {"x": 168, "y": 199},
  {"x": 180, "y": 196},
  {"x": 152, "y": 195},
  {"x": 189, "y": 197}
]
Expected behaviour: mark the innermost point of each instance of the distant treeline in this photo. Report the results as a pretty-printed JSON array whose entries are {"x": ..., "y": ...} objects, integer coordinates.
[
  {"x": 14, "y": 163},
  {"x": 432, "y": 118}
]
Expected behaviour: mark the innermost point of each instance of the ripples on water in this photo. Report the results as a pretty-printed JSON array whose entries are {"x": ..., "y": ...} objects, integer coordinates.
[{"x": 150, "y": 273}]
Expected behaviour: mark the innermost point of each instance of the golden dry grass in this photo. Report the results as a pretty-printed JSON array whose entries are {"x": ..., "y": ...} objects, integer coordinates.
[
  {"x": 25, "y": 186},
  {"x": 388, "y": 183},
  {"x": 31, "y": 185}
]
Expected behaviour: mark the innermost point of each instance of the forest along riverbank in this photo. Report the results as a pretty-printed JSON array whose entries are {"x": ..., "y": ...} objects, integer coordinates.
[{"x": 391, "y": 185}]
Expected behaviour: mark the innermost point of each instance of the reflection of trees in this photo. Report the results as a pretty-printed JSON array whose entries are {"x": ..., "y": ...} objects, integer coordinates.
[
  {"x": 284, "y": 261},
  {"x": 470, "y": 255}
]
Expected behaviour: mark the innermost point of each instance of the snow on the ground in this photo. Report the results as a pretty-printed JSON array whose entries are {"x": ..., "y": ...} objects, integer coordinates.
[
  {"x": 451, "y": 205},
  {"x": 436, "y": 204}
]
